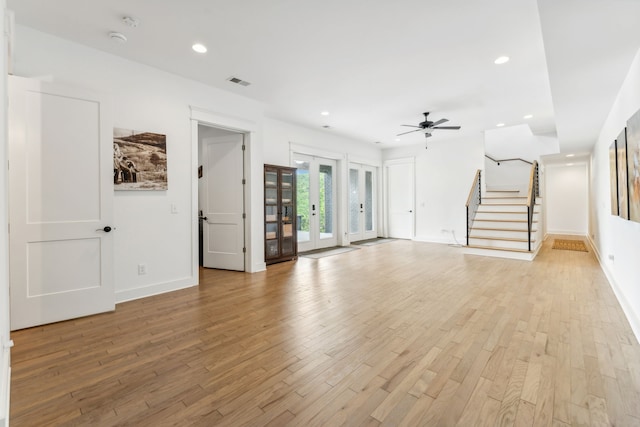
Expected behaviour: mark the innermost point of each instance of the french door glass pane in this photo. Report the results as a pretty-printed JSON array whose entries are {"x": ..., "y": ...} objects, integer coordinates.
[
  {"x": 354, "y": 201},
  {"x": 368, "y": 200},
  {"x": 302, "y": 200},
  {"x": 325, "y": 184}
]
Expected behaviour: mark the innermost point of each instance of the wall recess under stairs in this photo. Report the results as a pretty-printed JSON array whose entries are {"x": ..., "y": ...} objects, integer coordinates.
[{"x": 500, "y": 227}]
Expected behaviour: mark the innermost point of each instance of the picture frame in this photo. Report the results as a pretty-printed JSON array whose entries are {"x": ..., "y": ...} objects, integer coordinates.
[
  {"x": 633, "y": 166},
  {"x": 139, "y": 160},
  {"x": 621, "y": 150},
  {"x": 613, "y": 176}
]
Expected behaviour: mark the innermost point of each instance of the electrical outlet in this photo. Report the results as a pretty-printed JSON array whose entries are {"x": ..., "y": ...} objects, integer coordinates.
[
  {"x": 142, "y": 269},
  {"x": 611, "y": 257},
  {"x": 174, "y": 208}
]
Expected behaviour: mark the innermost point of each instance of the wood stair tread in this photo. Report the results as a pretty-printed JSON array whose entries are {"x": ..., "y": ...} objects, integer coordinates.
[
  {"x": 498, "y": 249},
  {"x": 502, "y": 220},
  {"x": 502, "y": 229},
  {"x": 506, "y": 239}
]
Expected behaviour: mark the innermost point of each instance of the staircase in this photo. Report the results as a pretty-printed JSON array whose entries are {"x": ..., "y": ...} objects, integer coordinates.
[
  {"x": 500, "y": 226},
  {"x": 504, "y": 223}
]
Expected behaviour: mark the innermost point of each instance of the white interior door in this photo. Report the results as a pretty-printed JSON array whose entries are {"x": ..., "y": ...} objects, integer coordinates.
[
  {"x": 316, "y": 182},
  {"x": 400, "y": 199},
  {"x": 223, "y": 204},
  {"x": 61, "y": 198},
  {"x": 362, "y": 218}
]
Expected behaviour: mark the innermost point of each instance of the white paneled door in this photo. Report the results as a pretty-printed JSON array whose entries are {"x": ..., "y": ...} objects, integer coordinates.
[
  {"x": 316, "y": 202},
  {"x": 400, "y": 198},
  {"x": 223, "y": 204},
  {"x": 362, "y": 215},
  {"x": 61, "y": 197}
]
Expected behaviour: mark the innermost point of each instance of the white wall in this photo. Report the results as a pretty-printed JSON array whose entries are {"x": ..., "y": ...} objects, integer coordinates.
[
  {"x": 4, "y": 238},
  {"x": 514, "y": 142},
  {"x": 145, "y": 99},
  {"x": 617, "y": 241},
  {"x": 281, "y": 139},
  {"x": 444, "y": 175},
  {"x": 566, "y": 199}
]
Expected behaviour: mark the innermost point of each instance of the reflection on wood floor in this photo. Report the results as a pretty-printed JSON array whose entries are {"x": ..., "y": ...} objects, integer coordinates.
[{"x": 403, "y": 333}]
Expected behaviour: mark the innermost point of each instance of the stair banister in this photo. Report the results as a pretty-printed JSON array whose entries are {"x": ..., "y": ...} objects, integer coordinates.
[
  {"x": 473, "y": 201},
  {"x": 534, "y": 191}
]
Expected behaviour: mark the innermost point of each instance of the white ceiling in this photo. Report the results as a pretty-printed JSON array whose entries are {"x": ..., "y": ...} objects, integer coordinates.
[{"x": 376, "y": 64}]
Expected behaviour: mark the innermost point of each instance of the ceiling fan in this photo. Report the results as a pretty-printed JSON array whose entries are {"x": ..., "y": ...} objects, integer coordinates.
[{"x": 428, "y": 126}]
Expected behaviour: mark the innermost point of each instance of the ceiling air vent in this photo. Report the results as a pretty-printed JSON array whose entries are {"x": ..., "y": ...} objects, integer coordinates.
[{"x": 238, "y": 81}]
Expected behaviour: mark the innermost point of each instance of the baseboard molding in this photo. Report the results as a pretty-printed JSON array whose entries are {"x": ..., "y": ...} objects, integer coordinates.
[
  {"x": 442, "y": 240},
  {"x": 155, "y": 289},
  {"x": 258, "y": 267},
  {"x": 632, "y": 318},
  {"x": 5, "y": 388},
  {"x": 566, "y": 233}
]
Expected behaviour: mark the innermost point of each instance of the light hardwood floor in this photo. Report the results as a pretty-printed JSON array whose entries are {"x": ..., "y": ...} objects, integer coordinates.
[{"x": 398, "y": 334}]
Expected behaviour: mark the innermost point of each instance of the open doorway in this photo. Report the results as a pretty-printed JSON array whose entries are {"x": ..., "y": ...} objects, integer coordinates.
[{"x": 221, "y": 198}]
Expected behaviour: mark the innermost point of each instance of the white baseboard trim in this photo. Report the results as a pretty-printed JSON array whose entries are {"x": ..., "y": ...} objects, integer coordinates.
[
  {"x": 258, "y": 267},
  {"x": 5, "y": 388},
  {"x": 633, "y": 319},
  {"x": 448, "y": 240},
  {"x": 566, "y": 233},
  {"x": 155, "y": 289}
]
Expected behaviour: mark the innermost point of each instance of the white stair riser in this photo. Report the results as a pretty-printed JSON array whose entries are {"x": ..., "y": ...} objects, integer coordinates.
[
  {"x": 500, "y": 224},
  {"x": 502, "y": 200},
  {"x": 502, "y": 216},
  {"x": 500, "y": 254},
  {"x": 503, "y": 244},
  {"x": 504, "y": 207},
  {"x": 513, "y": 234}
]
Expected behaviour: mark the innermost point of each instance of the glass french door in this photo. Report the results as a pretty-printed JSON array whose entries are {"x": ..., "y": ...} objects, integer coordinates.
[
  {"x": 362, "y": 212},
  {"x": 316, "y": 202}
]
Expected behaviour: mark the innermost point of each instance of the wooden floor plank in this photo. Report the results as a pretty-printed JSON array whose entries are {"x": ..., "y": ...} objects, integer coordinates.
[{"x": 404, "y": 333}]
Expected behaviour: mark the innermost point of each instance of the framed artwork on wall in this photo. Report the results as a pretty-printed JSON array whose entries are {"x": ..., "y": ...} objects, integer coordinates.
[
  {"x": 621, "y": 147},
  {"x": 613, "y": 173},
  {"x": 139, "y": 160},
  {"x": 633, "y": 166}
]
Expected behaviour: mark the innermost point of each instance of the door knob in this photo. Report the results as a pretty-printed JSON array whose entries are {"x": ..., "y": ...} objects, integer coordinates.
[
  {"x": 410, "y": 211},
  {"x": 106, "y": 229}
]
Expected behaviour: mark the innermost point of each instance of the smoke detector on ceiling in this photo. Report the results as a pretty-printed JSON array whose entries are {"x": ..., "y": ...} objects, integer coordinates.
[
  {"x": 130, "y": 21},
  {"x": 118, "y": 37}
]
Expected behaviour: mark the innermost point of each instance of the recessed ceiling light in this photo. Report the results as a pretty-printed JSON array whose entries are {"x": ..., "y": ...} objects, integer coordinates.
[
  {"x": 324, "y": 113},
  {"x": 397, "y": 139},
  {"x": 570, "y": 155},
  {"x": 118, "y": 37},
  {"x": 500, "y": 125},
  {"x": 199, "y": 47},
  {"x": 501, "y": 60},
  {"x": 528, "y": 116},
  {"x": 569, "y": 164}
]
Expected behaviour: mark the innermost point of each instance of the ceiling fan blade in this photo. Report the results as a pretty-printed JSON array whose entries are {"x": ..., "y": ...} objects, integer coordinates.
[
  {"x": 447, "y": 127},
  {"x": 411, "y": 126},
  {"x": 404, "y": 133},
  {"x": 439, "y": 122}
]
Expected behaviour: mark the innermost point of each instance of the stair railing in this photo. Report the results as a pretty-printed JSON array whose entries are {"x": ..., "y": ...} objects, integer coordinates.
[
  {"x": 534, "y": 191},
  {"x": 473, "y": 201},
  {"x": 515, "y": 159}
]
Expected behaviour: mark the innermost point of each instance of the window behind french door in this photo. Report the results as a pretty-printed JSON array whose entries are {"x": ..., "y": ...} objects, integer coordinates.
[{"x": 362, "y": 218}]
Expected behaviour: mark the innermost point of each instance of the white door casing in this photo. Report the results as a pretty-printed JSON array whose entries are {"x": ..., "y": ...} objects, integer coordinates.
[
  {"x": 362, "y": 202},
  {"x": 400, "y": 198},
  {"x": 61, "y": 200},
  {"x": 223, "y": 204}
]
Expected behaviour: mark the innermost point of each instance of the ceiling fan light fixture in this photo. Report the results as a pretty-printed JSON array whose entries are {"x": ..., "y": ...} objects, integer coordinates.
[
  {"x": 501, "y": 60},
  {"x": 324, "y": 113},
  {"x": 499, "y": 125}
]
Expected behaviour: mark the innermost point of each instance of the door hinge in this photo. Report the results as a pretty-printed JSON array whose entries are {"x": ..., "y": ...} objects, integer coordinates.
[
  {"x": 244, "y": 250},
  {"x": 244, "y": 216},
  {"x": 244, "y": 181},
  {"x": 244, "y": 147}
]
